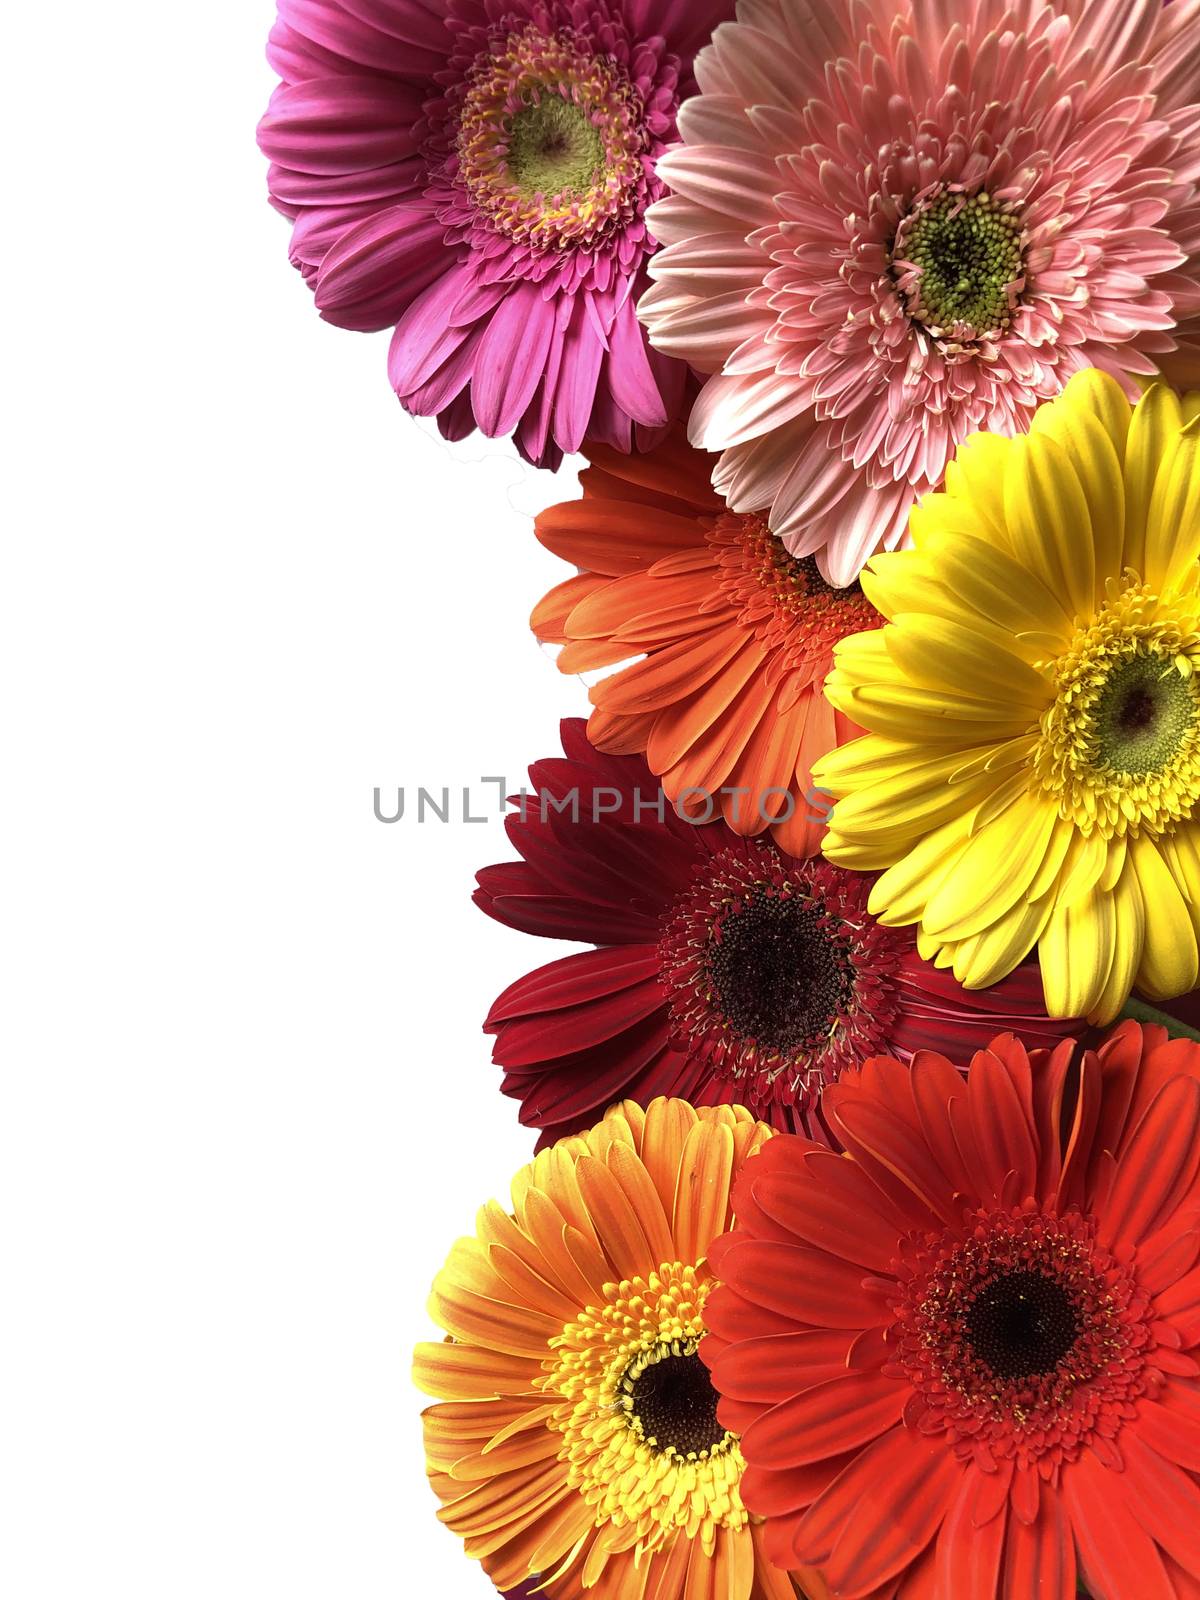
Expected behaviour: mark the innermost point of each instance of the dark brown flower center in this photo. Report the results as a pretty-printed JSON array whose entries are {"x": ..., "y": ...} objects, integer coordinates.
[
  {"x": 777, "y": 975},
  {"x": 674, "y": 1403},
  {"x": 1022, "y": 1324}
]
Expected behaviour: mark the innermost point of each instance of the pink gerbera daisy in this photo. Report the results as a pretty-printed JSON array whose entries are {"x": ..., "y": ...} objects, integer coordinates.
[
  {"x": 477, "y": 174},
  {"x": 900, "y": 222}
]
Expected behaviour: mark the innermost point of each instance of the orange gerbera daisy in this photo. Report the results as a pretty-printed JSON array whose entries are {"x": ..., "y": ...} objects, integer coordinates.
[
  {"x": 735, "y": 638},
  {"x": 578, "y": 1440}
]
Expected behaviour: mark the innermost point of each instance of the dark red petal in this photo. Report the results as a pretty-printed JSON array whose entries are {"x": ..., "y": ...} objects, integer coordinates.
[
  {"x": 591, "y": 975},
  {"x": 570, "y": 1029}
]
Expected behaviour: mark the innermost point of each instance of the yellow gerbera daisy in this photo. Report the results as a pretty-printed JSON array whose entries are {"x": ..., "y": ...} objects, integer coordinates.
[
  {"x": 579, "y": 1438},
  {"x": 1031, "y": 771}
]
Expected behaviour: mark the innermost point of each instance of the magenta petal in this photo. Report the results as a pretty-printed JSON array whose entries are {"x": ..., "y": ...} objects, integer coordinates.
[
  {"x": 427, "y": 335},
  {"x": 582, "y": 356},
  {"x": 374, "y": 271},
  {"x": 369, "y": 43},
  {"x": 330, "y": 126},
  {"x": 512, "y": 358},
  {"x": 630, "y": 375},
  {"x": 383, "y": 185},
  {"x": 444, "y": 387}
]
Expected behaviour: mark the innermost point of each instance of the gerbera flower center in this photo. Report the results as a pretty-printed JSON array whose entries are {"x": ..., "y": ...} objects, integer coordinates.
[
  {"x": 778, "y": 976},
  {"x": 958, "y": 264},
  {"x": 778, "y": 972},
  {"x": 550, "y": 140},
  {"x": 783, "y": 598},
  {"x": 1021, "y": 1324},
  {"x": 668, "y": 1395},
  {"x": 637, "y": 1410},
  {"x": 1021, "y": 1335},
  {"x": 1119, "y": 746},
  {"x": 553, "y": 149}
]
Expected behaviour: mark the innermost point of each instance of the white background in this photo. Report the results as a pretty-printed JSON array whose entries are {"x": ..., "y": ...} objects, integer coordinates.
[{"x": 246, "y": 1102}]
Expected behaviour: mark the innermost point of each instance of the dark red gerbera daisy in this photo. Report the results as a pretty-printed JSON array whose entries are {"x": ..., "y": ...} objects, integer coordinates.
[
  {"x": 963, "y": 1362},
  {"x": 725, "y": 971}
]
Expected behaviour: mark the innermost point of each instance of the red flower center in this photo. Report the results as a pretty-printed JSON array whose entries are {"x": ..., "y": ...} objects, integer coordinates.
[
  {"x": 778, "y": 975},
  {"x": 1022, "y": 1337}
]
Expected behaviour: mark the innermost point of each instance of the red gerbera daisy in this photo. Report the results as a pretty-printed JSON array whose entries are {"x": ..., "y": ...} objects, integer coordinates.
[
  {"x": 963, "y": 1362},
  {"x": 726, "y": 971}
]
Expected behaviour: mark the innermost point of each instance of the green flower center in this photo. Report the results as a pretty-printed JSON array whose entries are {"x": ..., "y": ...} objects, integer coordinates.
[
  {"x": 554, "y": 149},
  {"x": 958, "y": 264},
  {"x": 1143, "y": 714}
]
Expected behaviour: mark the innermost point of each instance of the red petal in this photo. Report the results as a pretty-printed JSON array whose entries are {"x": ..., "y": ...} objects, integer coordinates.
[
  {"x": 829, "y": 1419},
  {"x": 829, "y": 1203},
  {"x": 1171, "y": 1425},
  {"x": 891, "y": 1518},
  {"x": 780, "y": 1366},
  {"x": 807, "y": 1286},
  {"x": 1157, "y": 1166},
  {"x": 1165, "y": 1499},
  {"x": 1039, "y": 1559},
  {"x": 968, "y": 1555},
  {"x": 1003, "y": 1135},
  {"x": 1116, "y": 1556}
]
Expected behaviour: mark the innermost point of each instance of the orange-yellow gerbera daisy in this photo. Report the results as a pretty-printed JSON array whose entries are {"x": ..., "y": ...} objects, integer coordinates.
[
  {"x": 735, "y": 637},
  {"x": 578, "y": 1436}
]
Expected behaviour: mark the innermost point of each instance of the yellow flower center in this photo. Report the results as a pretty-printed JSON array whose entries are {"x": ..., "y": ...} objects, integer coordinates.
[
  {"x": 641, "y": 1441},
  {"x": 1120, "y": 744}
]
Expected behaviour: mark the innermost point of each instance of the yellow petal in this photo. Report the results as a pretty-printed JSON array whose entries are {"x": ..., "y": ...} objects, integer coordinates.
[
  {"x": 1173, "y": 522},
  {"x": 976, "y": 475},
  {"x": 937, "y": 652},
  {"x": 1093, "y": 455},
  {"x": 1157, "y": 418},
  {"x": 902, "y": 893},
  {"x": 1129, "y": 919},
  {"x": 1100, "y": 395},
  {"x": 994, "y": 872},
  {"x": 1169, "y": 956},
  {"x": 987, "y": 957},
  {"x": 1049, "y": 522}
]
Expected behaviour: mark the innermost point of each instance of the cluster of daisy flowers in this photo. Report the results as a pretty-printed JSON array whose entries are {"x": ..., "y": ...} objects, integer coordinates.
[{"x": 858, "y": 1255}]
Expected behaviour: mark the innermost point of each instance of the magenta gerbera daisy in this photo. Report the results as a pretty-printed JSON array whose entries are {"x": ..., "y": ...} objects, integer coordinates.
[
  {"x": 725, "y": 970},
  {"x": 898, "y": 224},
  {"x": 477, "y": 174}
]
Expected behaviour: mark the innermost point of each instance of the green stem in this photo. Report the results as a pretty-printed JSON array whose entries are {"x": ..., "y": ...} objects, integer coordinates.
[{"x": 1141, "y": 1012}]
